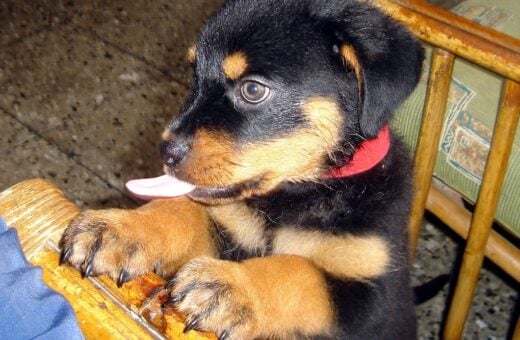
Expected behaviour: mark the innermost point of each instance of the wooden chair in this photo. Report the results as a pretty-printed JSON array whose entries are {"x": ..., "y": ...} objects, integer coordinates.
[
  {"x": 453, "y": 36},
  {"x": 40, "y": 211}
]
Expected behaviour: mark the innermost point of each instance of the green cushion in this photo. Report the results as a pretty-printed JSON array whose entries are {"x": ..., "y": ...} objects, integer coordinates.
[{"x": 472, "y": 106}]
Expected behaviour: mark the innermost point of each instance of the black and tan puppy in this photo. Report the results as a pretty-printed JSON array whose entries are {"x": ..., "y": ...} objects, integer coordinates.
[{"x": 294, "y": 220}]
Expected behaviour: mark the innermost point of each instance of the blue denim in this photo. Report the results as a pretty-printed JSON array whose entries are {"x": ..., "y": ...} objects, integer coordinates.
[{"x": 28, "y": 308}]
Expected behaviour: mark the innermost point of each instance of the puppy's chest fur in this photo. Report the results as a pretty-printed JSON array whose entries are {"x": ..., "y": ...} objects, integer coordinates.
[
  {"x": 322, "y": 229},
  {"x": 241, "y": 232}
]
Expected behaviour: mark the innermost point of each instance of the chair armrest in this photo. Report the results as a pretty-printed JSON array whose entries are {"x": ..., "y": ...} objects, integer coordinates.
[{"x": 40, "y": 212}]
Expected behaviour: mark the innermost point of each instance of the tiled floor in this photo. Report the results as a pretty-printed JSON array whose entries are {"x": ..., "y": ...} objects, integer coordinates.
[{"x": 85, "y": 89}]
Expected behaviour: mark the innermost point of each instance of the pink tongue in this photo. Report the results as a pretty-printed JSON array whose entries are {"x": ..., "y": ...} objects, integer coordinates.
[{"x": 158, "y": 187}]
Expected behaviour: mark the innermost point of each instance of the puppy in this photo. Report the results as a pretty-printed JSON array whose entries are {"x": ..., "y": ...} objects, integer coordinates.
[{"x": 296, "y": 194}]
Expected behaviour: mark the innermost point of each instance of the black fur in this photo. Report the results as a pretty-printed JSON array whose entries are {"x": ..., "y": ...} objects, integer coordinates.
[
  {"x": 390, "y": 57},
  {"x": 292, "y": 45}
]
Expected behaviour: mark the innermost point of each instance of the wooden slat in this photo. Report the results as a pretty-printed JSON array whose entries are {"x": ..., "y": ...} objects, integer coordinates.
[
  {"x": 462, "y": 23},
  {"x": 498, "y": 249},
  {"x": 496, "y": 166},
  {"x": 483, "y": 52},
  {"x": 429, "y": 137}
]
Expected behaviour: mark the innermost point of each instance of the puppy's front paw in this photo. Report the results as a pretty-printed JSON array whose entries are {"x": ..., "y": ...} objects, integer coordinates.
[
  {"x": 215, "y": 296},
  {"x": 107, "y": 242}
]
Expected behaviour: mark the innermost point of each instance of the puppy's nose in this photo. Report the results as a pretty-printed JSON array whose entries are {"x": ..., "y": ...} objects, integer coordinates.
[{"x": 174, "y": 151}]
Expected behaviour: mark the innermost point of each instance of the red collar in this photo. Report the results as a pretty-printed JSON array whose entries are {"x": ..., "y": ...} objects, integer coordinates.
[{"x": 367, "y": 156}]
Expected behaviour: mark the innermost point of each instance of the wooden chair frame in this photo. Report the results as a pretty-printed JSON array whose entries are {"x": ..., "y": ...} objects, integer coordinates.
[{"x": 453, "y": 36}]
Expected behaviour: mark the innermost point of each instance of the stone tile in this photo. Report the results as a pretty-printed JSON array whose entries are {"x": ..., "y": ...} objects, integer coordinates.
[
  {"x": 102, "y": 107},
  {"x": 159, "y": 31},
  {"x": 25, "y": 156},
  {"x": 493, "y": 306},
  {"x": 494, "y": 301},
  {"x": 19, "y": 19},
  {"x": 435, "y": 255}
]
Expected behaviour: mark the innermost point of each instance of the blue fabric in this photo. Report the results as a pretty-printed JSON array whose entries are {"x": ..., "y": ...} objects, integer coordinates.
[{"x": 28, "y": 308}]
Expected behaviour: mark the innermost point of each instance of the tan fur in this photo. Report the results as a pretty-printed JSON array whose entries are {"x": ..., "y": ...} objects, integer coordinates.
[
  {"x": 173, "y": 231},
  {"x": 269, "y": 297},
  {"x": 350, "y": 57},
  {"x": 298, "y": 156},
  {"x": 209, "y": 162},
  {"x": 244, "y": 225},
  {"x": 235, "y": 65},
  {"x": 191, "y": 54},
  {"x": 217, "y": 160},
  {"x": 325, "y": 116},
  {"x": 344, "y": 256},
  {"x": 167, "y": 135},
  {"x": 180, "y": 225},
  {"x": 288, "y": 294}
]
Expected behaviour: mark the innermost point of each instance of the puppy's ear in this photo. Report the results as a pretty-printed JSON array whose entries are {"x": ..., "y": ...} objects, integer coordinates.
[{"x": 384, "y": 55}]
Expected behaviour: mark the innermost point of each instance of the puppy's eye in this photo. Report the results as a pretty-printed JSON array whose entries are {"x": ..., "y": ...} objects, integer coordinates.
[{"x": 254, "y": 92}]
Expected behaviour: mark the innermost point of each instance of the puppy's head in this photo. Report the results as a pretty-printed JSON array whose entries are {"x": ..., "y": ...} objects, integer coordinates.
[{"x": 284, "y": 90}]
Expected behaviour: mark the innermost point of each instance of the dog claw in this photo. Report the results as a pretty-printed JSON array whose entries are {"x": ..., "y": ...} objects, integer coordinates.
[
  {"x": 174, "y": 300},
  {"x": 88, "y": 270},
  {"x": 123, "y": 277},
  {"x": 223, "y": 336},
  {"x": 155, "y": 268},
  {"x": 64, "y": 256},
  {"x": 88, "y": 266},
  {"x": 171, "y": 283},
  {"x": 192, "y": 325}
]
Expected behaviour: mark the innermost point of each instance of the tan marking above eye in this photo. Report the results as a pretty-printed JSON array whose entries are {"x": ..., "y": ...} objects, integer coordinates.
[
  {"x": 235, "y": 65},
  {"x": 191, "y": 54},
  {"x": 345, "y": 256}
]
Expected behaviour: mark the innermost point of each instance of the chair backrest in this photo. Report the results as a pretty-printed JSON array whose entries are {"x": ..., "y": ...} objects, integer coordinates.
[{"x": 453, "y": 37}]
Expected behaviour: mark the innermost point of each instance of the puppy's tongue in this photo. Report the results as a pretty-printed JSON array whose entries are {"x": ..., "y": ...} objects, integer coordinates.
[{"x": 159, "y": 187}]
